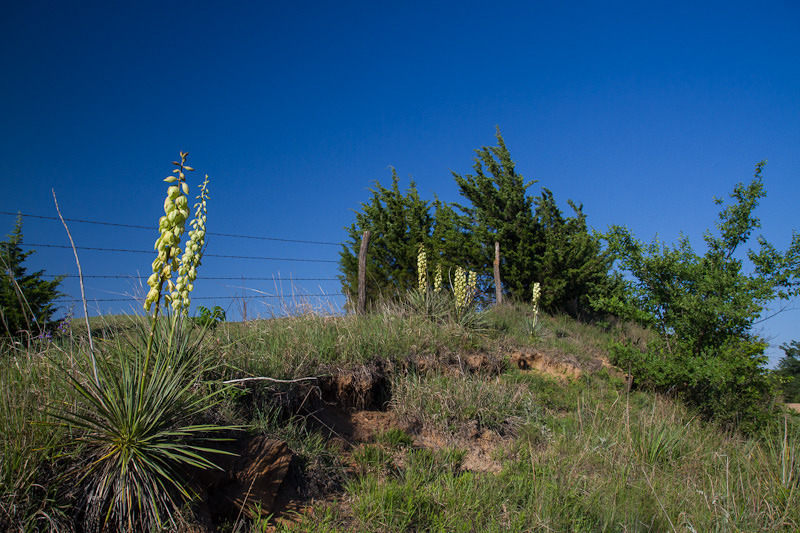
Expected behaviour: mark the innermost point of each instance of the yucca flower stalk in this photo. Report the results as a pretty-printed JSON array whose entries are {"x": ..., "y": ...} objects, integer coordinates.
[
  {"x": 437, "y": 279},
  {"x": 537, "y": 293},
  {"x": 460, "y": 288},
  {"x": 187, "y": 271},
  {"x": 422, "y": 269},
  {"x": 472, "y": 285},
  {"x": 171, "y": 228}
]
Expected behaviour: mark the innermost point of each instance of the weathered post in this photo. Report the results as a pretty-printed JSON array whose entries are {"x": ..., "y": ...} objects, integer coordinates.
[
  {"x": 362, "y": 274},
  {"x": 498, "y": 289}
]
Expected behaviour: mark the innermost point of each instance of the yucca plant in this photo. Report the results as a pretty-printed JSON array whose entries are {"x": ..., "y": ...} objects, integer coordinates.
[
  {"x": 136, "y": 424},
  {"x": 136, "y": 431}
]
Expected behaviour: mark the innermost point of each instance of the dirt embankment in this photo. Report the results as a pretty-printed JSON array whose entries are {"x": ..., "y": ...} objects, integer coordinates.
[{"x": 349, "y": 408}]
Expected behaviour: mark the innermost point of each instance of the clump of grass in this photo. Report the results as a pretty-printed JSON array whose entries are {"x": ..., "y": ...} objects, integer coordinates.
[
  {"x": 395, "y": 438},
  {"x": 451, "y": 402},
  {"x": 373, "y": 460},
  {"x": 29, "y": 486}
]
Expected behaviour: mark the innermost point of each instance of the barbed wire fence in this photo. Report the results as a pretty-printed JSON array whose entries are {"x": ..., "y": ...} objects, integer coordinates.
[{"x": 280, "y": 300}]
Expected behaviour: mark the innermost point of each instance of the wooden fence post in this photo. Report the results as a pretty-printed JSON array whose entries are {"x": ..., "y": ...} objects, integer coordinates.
[
  {"x": 362, "y": 274},
  {"x": 498, "y": 289}
]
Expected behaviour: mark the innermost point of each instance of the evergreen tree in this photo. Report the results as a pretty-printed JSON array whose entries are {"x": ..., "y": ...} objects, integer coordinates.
[
  {"x": 571, "y": 264},
  {"x": 789, "y": 370},
  {"x": 499, "y": 210},
  {"x": 398, "y": 223},
  {"x": 537, "y": 243},
  {"x": 26, "y": 300}
]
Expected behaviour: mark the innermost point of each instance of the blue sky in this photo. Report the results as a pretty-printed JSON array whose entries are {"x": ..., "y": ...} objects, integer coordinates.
[{"x": 642, "y": 111}]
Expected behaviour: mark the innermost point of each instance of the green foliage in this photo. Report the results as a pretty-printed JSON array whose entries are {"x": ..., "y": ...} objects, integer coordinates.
[
  {"x": 537, "y": 242},
  {"x": 704, "y": 308},
  {"x": 789, "y": 372},
  {"x": 135, "y": 429},
  {"x": 398, "y": 223},
  {"x": 26, "y": 300},
  {"x": 209, "y": 318},
  {"x": 499, "y": 210},
  {"x": 570, "y": 261}
]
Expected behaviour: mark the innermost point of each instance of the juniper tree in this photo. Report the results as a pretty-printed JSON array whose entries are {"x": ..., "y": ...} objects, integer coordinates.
[
  {"x": 26, "y": 300},
  {"x": 499, "y": 210},
  {"x": 789, "y": 371},
  {"x": 398, "y": 223},
  {"x": 570, "y": 263},
  {"x": 537, "y": 242}
]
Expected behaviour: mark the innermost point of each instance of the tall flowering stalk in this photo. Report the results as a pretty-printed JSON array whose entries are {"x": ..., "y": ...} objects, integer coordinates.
[
  {"x": 472, "y": 285},
  {"x": 422, "y": 269},
  {"x": 437, "y": 279},
  {"x": 171, "y": 228},
  {"x": 537, "y": 293},
  {"x": 187, "y": 271},
  {"x": 460, "y": 288}
]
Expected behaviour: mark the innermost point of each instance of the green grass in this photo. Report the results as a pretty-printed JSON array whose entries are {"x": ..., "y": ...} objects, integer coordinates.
[{"x": 575, "y": 455}]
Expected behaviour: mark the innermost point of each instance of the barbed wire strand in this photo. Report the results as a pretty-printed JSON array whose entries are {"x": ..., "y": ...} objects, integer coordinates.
[
  {"x": 135, "y": 226},
  {"x": 39, "y": 245},
  {"x": 133, "y": 299},
  {"x": 140, "y": 276}
]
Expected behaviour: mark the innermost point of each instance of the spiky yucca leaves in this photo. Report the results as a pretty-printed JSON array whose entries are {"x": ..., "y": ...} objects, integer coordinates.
[{"x": 137, "y": 433}]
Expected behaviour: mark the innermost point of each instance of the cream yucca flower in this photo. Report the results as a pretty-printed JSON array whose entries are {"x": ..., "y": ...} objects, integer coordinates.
[
  {"x": 171, "y": 227},
  {"x": 187, "y": 271},
  {"x": 437, "y": 279},
  {"x": 422, "y": 268},
  {"x": 460, "y": 287},
  {"x": 537, "y": 293},
  {"x": 472, "y": 285}
]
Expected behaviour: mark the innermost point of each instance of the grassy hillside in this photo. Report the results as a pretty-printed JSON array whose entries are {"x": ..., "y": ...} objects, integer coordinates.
[{"x": 402, "y": 422}]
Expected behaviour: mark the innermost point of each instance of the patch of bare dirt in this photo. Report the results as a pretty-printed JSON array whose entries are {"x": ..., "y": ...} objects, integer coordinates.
[
  {"x": 794, "y": 406},
  {"x": 352, "y": 427},
  {"x": 482, "y": 447},
  {"x": 560, "y": 367}
]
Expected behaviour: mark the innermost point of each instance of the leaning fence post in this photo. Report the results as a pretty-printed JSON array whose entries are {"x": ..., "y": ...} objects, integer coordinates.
[
  {"x": 498, "y": 289},
  {"x": 362, "y": 274}
]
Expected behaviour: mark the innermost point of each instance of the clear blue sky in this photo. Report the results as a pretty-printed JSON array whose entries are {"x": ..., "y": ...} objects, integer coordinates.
[{"x": 642, "y": 111}]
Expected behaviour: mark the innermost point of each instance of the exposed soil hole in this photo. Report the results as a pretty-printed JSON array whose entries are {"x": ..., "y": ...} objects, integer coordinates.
[
  {"x": 251, "y": 473},
  {"x": 363, "y": 387},
  {"x": 349, "y": 428},
  {"x": 483, "y": 363}
]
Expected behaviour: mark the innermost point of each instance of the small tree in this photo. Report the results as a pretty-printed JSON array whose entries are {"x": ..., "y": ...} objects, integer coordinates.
[
  {"x": 789, "y": 371},
  {"x": 704, "y": 308},
  {"x": 571, "y": 263},
  {"x": 26, "y": 300},
  {"x": 499, "y": 210},
  {"x": 399, "y": 223}
]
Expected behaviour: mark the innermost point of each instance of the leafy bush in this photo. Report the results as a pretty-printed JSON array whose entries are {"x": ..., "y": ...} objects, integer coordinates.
[
  {"x": 209, "y": 318},
  {"x": 704, "y": 308}
]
